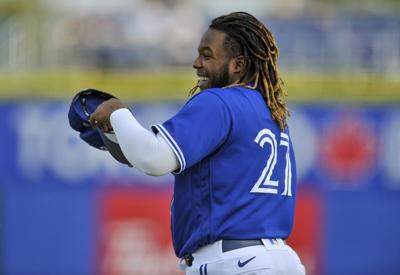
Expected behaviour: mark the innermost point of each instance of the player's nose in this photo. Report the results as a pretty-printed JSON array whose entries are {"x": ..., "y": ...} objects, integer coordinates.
[{"x": 196, "y": 63}]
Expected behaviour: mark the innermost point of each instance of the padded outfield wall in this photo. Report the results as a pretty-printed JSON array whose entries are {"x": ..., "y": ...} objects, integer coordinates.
[{"x": 67, "y": 208}]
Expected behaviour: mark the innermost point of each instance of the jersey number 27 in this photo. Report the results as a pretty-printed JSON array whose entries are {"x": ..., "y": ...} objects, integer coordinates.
[{"x": 264, "y": 183}]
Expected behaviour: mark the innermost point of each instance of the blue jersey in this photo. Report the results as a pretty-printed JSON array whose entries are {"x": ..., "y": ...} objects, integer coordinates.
[{"x": 237, "y": 170}]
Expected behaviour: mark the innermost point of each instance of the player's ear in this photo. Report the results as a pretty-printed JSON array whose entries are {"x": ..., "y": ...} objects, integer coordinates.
[{"x": 238, "y": 64}]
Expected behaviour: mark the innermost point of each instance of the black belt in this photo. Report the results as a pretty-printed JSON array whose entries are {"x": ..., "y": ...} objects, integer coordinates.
[{"x": 228, "y": 245}]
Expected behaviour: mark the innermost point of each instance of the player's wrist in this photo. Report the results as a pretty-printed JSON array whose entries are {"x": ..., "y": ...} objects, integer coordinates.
[
  {"x": 120, "y": 114},
  {"x": 121, "y": 118}
]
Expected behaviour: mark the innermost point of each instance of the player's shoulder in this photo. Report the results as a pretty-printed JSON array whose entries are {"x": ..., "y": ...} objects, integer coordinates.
[
  {"x": 224, "y": 97},
  {"x": 208, "y": 96},
  {"x": 225, "y": 93}
]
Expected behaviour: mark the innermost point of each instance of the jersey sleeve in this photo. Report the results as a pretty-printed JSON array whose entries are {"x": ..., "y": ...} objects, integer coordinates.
[{"x": 198, "y": 129}]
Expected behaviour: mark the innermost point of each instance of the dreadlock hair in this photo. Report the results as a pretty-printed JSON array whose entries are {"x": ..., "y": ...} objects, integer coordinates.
[{"x": 248, "y": 37}]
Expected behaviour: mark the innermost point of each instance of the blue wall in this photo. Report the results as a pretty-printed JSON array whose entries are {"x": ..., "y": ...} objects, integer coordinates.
[{"x": 348, "y": 154}]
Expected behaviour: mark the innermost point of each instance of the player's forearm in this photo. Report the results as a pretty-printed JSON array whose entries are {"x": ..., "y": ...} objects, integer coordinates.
[{"x": 146, "y": 151}]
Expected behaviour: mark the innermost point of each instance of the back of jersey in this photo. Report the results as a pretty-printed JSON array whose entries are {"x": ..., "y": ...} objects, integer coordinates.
[
  {"x": 237, "y": 176},
  {"x": 254, "y": 173}
]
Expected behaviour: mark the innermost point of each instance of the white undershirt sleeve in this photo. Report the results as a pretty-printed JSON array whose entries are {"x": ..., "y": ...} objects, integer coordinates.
[{"x": 146, "y": 151}]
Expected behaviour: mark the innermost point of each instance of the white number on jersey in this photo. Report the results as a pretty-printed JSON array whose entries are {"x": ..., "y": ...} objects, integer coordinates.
[{"x": 264, "y": 183}]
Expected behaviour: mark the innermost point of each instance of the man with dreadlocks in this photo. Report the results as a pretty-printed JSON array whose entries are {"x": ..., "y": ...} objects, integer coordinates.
[{"x": 230, "y": 150}]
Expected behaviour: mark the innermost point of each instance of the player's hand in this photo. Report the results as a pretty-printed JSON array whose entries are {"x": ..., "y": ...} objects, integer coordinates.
[{"x": 101, "y": 116}]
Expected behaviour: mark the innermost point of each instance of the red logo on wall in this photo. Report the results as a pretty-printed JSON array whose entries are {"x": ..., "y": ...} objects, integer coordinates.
[
  {"x": 349, "y": 149},
  {"x": 134, "y": 234}
]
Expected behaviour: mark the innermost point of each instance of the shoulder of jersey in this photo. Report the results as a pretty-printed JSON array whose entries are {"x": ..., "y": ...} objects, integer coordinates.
[
  {"x": 218, "y": 91},
  {"x": 222, "y": 93}
]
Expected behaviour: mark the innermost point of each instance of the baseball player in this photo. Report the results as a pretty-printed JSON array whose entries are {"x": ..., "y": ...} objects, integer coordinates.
[{"x": 230, "y": 150}]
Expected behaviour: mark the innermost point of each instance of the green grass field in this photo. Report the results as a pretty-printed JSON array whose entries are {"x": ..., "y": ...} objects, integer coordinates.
[{"x": 172, "y": 85}]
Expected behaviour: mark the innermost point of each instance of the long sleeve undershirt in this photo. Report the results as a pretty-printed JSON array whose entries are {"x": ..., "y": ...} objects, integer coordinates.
[{"x": 146, "y": 151}]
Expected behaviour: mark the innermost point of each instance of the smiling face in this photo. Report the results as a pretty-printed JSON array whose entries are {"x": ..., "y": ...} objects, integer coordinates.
[{"x": 214, "y": 67}]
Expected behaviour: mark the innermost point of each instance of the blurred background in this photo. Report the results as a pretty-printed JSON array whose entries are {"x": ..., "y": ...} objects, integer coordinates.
[{"x": 66, "y": 208}]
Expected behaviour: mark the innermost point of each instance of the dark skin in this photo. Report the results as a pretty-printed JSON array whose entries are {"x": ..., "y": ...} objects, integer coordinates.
[
  {"x": 101, "y": 116},
  {"x": 213, "y": 65},
  {"x": 213, "y": 60}
]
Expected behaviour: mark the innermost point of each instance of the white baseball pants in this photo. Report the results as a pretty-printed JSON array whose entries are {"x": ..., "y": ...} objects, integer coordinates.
[{"x": 274, "y": 257}]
